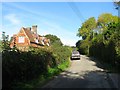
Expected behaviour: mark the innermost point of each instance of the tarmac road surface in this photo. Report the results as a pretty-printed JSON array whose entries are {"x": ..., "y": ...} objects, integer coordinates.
[{"x": 83, "y": 73}]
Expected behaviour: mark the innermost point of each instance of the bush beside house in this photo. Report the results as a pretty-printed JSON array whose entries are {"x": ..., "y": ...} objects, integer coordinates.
[{"x": 19, "y": 68}]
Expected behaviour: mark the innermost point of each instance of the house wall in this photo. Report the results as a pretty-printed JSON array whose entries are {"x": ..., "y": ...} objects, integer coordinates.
[
  {"x": 21, "y": 46},
  {"x": 26, "y": 40},
  {"x": 24, "y": 46}
]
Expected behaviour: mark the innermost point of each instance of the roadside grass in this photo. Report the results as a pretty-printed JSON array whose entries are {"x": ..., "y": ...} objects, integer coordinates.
[{"x": 44, "y": 78}]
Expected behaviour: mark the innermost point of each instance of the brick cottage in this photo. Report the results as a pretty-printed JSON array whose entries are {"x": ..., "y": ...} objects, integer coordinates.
[{"x": 27, "y": 37}]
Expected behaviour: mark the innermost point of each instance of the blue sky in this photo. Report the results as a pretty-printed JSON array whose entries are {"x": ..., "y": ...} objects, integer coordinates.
[{"x": 57, "y": 18}]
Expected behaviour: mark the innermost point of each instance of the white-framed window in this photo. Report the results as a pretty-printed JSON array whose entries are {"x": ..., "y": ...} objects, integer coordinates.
[
  {"x": 21, "y": 39},
  {"x": 36, "y": 40}
]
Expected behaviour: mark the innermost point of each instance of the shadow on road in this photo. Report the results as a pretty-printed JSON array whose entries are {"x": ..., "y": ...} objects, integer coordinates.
[
  {"x": 75, "y": 59},
  {"x": 109, "y": 68},
  {"x": 85, "y": 73},
  {"x": 68, "y": 79}
]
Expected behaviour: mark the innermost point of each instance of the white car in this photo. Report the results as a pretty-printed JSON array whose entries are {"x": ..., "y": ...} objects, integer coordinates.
[{"x": 75, "y": 55}]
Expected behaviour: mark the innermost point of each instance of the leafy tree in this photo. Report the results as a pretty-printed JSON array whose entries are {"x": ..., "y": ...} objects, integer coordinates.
[
  {"x": 82, "y": 46},
  {"x": 104, "y": 19},
  {"x": 23, "y": 67},
  {"x": 104, "y": 31},
  {"x": 78, "y": 43},
  {"x": 5, "y": 42},
  {"x": 101, "y": 38},
  {"x": 87, "y": 33},
  {"x": 54, "y": 40},
  {"x": 87, "y": 28},
  {"x": 0, "y": 45}
]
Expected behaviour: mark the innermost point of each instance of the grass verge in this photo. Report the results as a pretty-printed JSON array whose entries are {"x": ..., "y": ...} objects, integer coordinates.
[{"x": 44, "y": 78}]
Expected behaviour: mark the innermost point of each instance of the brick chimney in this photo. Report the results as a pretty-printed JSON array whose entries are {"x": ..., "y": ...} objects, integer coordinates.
[{"x": 34, "y": 29}]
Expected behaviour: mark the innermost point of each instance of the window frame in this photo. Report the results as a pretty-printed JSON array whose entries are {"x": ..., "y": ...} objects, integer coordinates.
[{"x": 21, "y": 39}]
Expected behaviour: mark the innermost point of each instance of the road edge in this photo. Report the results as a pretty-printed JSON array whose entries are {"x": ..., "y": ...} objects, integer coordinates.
[{"x": 114, "y": 80}]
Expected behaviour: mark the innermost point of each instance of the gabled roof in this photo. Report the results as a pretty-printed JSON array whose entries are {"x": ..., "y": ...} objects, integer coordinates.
[
  {"x": 33, "y": 37},
  {"x": 29, "y": 34}
]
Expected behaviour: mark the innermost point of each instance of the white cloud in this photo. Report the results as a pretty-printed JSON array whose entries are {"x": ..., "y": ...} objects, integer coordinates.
[
  {"x": 12, "y": 18},
  {"x": 36, "y": 14}
]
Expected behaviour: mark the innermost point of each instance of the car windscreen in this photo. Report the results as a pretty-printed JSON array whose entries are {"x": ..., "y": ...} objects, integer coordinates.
[{"x": 75, "y": 52}]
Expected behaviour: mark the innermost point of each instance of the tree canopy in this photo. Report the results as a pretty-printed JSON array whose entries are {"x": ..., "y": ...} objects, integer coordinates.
[
  {"x": 101, "y": 38},
  {"x": 106, "y": 18},
  {"x": 54, "y": 39},
  {"x": 87, "y": 28}
]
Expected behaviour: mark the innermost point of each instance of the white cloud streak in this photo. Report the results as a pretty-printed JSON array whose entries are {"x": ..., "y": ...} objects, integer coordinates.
[
  {"x": 46, "y": 27},
  {"x": 32, "y": 12},
  {"x": 12, "y": 18}
]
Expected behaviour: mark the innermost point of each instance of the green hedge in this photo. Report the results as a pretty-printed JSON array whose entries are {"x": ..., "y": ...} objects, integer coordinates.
[
  {"x": 24, "y": 66},
  {"x": 103, "y": 52}
]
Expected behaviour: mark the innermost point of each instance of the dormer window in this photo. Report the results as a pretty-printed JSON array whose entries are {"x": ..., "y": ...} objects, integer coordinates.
[{"x": 21, "y": 39}]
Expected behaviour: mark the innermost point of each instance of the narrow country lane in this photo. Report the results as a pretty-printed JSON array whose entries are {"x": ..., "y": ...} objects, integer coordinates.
[{"x": 82, "y": 73}]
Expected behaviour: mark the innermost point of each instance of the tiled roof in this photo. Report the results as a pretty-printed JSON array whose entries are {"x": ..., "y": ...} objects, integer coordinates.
[
  {"x": 29, "y": 34},
  {"x": 33, "y": 37}
]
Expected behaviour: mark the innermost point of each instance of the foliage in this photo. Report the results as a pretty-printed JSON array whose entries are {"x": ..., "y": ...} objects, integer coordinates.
[
  {"x": 104, "y": 19},
  {"x": 105, "y": 43},
  {"x": 4, "y": 43},
  {"x": 43, "y": 78},
  {"x": 54, "y": 39},
  {"x": 0, "y": 46},
  {"x": 22, "y": 67},
  {"x": 61, "y": 52},
  {"x": 82, "y": 46},
  {"x": 87, "y": 28}
]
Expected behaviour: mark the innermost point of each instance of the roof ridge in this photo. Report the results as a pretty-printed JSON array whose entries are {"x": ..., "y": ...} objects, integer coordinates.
[{"x": 29, "y": 34}]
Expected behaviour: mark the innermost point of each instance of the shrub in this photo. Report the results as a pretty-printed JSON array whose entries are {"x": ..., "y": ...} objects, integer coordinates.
[{"x": 24, "y": 66}]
